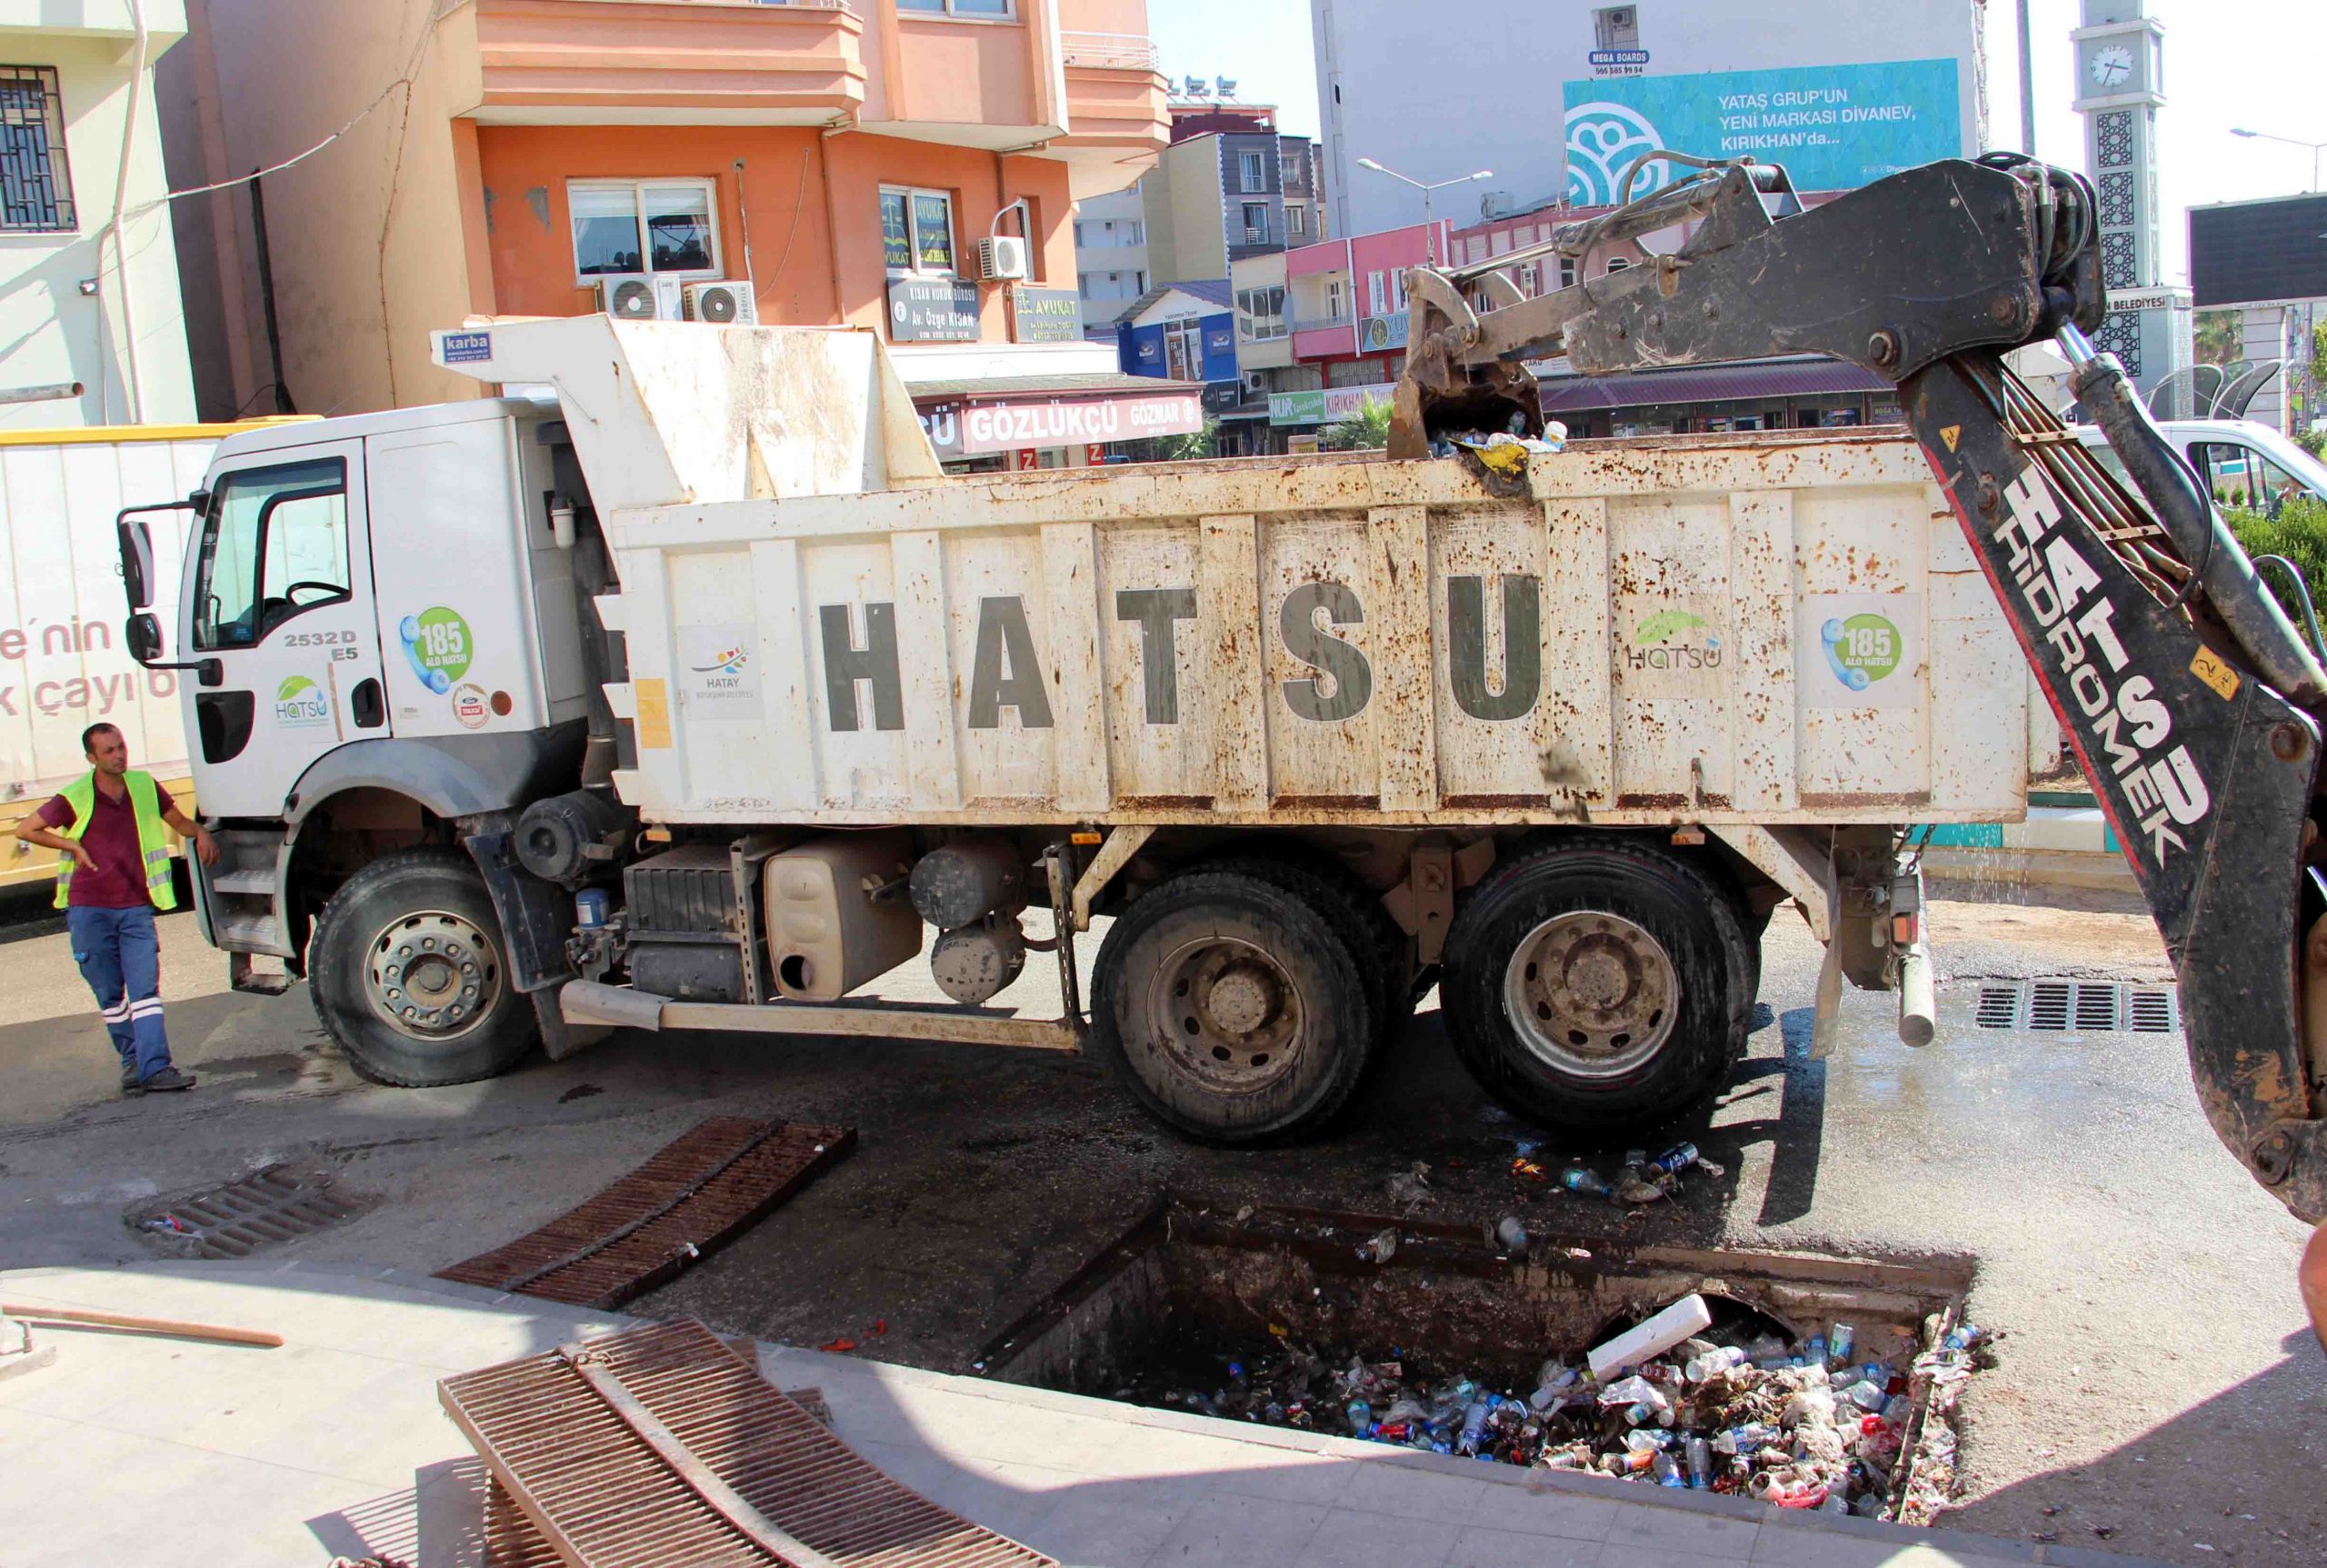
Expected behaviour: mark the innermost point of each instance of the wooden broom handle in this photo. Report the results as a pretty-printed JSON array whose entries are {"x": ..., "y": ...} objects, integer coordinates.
[{"x": 143, "y": 1324}]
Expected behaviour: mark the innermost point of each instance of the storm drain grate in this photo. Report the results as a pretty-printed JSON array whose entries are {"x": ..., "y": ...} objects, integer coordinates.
[
  {"x": 2079, "y": 1006},
  {"x": 659, "y": 1444},
  {"x": 694, "y": 1195},
  {"x": 267, "y": 1207}
]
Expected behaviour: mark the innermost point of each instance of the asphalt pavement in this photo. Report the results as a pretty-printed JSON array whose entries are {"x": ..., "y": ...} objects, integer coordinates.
[{"x": 2156, "y": 1392}]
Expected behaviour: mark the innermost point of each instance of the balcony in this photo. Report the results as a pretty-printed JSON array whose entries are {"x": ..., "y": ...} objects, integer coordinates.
[
  {"x": 1108, "y": 51},
  {"x": 640, "y": 62},
  {"x": 1116, "y": 98}
]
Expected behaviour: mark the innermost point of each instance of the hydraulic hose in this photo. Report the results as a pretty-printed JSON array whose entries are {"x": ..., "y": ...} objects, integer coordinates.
[{"x": 2248, "y": 609}]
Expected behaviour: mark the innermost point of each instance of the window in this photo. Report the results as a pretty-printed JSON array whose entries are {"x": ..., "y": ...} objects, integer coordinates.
[
  {"x": 1377, "y": 296},
  {"x": 275, "y": 544},
  {"x": 1616, "y": 26},
  {"x": 1254, "y": 171},
  {"x": 35, "y": 185},
  {"x": 673, "y": 216},
  {"x": 1397, "y": 288},
  {"x": 1617, "y": 264},
  {"x": 1296, "y": 218},
  {"x": 1530, "y": 279},
  {"x": 983, "y": 10},
  {"x": 1082, "y": 240},
  {"x": 1333, "y": 311},
  {"x": 917, "y": 231},
  {"x": 1256, "y": 222},
  {"x": 1567, "y": 271},
  {"x": 2241, "y": 476},
  {"x": 1260, "y": 314}
]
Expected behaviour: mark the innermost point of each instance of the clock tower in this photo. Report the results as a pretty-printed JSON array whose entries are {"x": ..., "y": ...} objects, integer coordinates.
[{"x": 2120, "y": 86}]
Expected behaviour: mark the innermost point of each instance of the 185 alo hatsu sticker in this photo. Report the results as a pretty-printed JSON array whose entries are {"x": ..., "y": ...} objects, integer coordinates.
[
  {"x": 436, "y": 642},
  {"x": 1859, "y": 650}
]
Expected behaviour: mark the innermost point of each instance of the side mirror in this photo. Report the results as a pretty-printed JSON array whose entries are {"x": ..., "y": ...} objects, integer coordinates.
[
  {"x": 136, "y": 563},
  {"x": 143, "y": 638}
]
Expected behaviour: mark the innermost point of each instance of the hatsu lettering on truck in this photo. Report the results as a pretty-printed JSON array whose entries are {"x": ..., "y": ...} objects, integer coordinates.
[
  {"x": 860, "y": 652},
  {"x": 2132, "y": 726},
  {"x": 96, "y": 695}
]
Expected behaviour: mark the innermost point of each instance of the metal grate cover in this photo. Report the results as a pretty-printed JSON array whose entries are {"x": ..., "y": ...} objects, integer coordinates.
[
  {"x": 2080, "y": 1007},
  {"x": 693, "y": 1196},
  {"x": 268, "y": 1207},
  {"x": 660, "y": 1444}
]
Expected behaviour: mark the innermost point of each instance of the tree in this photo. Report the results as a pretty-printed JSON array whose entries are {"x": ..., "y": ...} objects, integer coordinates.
[
  {"x": 1191, "y": 447},
  {"x": 2221, "y": 337},
  {"x": 1364, "y": 431}
]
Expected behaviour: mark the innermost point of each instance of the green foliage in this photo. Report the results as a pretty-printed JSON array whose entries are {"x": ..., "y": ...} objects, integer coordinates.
[
  {"x": 1189, "y": 448},
  {"x": 2313, "y": 442},
  {"x": 2220, "y": 335},
  {"x": 1366, "y": 429},
  {"x": 2299, "y": 533}
]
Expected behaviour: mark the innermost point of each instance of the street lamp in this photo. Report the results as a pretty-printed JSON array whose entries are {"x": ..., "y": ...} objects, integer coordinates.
[
  {"x": 2316, "y": 147},
  {"x": 1426, "y": 189}
]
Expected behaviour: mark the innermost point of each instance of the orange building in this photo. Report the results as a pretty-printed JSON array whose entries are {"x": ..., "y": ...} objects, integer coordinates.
[{"x": 835, "y": 161}]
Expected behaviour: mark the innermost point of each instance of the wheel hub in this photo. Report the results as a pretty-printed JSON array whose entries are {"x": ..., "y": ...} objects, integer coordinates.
[
  {"x": 1592, "y": 994},
  {"x": 432, "y": 974},
  {"x": 1226, "y": 1013}
]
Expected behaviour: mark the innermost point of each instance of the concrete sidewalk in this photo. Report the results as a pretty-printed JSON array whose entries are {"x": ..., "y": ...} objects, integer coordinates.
[{"x": 135, "y": 1451}]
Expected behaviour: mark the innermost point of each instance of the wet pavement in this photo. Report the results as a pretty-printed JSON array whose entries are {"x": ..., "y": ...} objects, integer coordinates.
[{"x": 2155, "y": 1389}]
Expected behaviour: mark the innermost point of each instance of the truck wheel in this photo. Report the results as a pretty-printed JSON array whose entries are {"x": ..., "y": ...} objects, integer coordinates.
[
  {"x": 408, "y": 973},
  {"x": 1597, "y": 989},
  {"x": 1230, "y": 1007},
  {"x": 1355, "y": 911}
]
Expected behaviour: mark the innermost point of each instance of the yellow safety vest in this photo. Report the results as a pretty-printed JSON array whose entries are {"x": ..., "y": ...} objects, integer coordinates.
[{"x": 153, "y": 834}]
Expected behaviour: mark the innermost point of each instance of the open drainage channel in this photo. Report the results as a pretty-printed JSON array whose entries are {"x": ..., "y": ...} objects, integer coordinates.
[{"x": 1285, "y": 1316}]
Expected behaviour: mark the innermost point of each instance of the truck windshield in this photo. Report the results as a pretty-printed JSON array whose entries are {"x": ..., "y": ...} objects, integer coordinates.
[{"x": 275, "y": 542}]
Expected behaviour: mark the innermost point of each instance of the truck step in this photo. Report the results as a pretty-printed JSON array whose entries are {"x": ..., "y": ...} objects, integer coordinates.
[
  {"x": 249, "y": 934},
  {"x": 258, "y": 881},
  {"x": 243, "y": 974}
]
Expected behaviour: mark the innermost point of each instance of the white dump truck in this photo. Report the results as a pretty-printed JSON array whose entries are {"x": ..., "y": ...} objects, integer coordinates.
[{"x": 677, "y": 687}]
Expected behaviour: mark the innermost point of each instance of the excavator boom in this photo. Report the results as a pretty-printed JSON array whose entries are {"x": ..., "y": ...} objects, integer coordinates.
[{"x": 2190, "y": 701}]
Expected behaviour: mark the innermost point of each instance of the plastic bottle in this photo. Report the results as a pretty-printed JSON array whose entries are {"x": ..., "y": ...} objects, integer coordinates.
[
  {"x": 1700, "y": 1464},
  {"x": 1841, "y": 1339},
  {"x": 1962, "y": 1336},
  {"x": 1647, "y": 1437},
  {"x": 1745, "y": 1439},
  {"x": 1360, "y": 1416},
  {"x": 1578, "y": 1179},
  {"x": 1676, "y": 1159},
  {"x": 1474, "y": 1427},
  {"x": 1867, "y": 1396},
  {"x": 1510, "y": 1235},
  {"x": 1814, "y": 1352},
  {"x": 1667, "y": 1471}
]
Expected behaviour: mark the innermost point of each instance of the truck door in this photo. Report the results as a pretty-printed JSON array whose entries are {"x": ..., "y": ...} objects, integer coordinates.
[{"x": 281, "y": 598}]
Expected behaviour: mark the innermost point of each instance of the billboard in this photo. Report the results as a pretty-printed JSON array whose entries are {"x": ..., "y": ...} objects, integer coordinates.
[
  {"x": 1835, "y": 127},
  {"x": 2257, "y": 252}
]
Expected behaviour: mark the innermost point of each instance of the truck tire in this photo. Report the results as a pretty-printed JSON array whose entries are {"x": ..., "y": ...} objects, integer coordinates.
[
  {"x": 1230, "y": 1006},
  {"x": 409, "y": 976},
  {"x": 1355, "y": 911},
  {"x": 1597, "y": 988}
]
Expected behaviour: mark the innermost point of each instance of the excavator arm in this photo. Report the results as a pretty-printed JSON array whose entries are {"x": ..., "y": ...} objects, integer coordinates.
[{"x": 2191, "y": 704}]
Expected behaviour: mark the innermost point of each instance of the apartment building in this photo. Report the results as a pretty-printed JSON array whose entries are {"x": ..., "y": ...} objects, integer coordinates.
[
  {"x": 96, "y": 331},
  {"x": 1110, "y": 254},
  {"x": 1223, "y": 194},
  {"x": 821, "y": 162}
]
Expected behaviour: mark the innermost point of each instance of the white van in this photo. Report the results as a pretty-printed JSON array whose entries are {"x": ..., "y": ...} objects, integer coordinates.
[{"x": 2244, "y": 463}]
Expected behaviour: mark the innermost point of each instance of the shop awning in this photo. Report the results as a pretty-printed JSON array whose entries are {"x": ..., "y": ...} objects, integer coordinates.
[{"x": 1713, "y": 384}]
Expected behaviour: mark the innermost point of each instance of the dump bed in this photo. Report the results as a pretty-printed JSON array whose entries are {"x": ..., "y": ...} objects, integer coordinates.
[{"x": 1763, "y": 628}]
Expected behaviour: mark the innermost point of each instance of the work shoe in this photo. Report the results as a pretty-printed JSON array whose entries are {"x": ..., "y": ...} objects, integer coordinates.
[
  {"x": 129, "y": 1083},
  {"x": 168, "y": 1078}
]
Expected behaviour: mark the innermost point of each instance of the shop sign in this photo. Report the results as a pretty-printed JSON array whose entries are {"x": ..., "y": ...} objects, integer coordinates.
[
  {"x": 958, "y": 431},
  {"x": 1326, "y": 405},
  {"x": 932, "y": 310},
  {"x": 1045, "y": 315},
  {"x": 1376, "y": 333}
]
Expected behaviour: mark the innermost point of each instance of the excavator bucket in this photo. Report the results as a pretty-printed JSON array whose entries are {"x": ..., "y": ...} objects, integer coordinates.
[{"x": 2191, "y": 704}]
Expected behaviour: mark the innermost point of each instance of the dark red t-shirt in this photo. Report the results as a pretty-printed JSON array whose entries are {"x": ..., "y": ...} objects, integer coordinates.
[{"x": 118, "y": 880}]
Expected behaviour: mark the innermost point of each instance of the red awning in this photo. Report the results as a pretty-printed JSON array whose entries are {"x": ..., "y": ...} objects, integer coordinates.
[{"x": 1715, "y": 383}]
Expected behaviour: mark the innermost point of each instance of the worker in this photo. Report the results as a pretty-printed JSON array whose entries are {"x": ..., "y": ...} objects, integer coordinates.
[
  {"x": 2314, "y": 1283},
  {"x": 112, "y": 872}
]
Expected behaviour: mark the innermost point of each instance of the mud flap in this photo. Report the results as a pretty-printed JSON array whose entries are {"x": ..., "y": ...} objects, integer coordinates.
[
  {"x": 2205, "y": 774},
  {"x": 534, "y": 917}
]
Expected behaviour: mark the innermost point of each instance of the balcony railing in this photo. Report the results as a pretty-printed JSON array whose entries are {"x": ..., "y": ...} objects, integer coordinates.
[
  {"x": 1108, "y": 51},
  {"x": 1320, "y": 322}
]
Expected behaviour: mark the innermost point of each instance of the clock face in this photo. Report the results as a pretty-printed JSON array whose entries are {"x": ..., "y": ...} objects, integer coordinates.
[{"x": 2113, "y": 66}]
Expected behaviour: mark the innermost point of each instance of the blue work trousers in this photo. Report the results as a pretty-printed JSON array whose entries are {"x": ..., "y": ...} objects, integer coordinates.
[{"x": 121, "y": 959}]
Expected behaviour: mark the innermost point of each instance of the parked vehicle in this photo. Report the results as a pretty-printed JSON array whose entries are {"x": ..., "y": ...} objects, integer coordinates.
[
  {"x": 687, "y": 696},
  {"x": 2241, "y": 462}
]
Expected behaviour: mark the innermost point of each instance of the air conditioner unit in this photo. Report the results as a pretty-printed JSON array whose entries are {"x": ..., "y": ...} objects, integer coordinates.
[
  {"x": 729, "y": 303},
  {"x": 632, "y": 296},
  {"x": 1001, "y": 257}
]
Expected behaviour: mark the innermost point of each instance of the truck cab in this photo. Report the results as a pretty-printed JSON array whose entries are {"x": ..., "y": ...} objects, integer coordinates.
[{"x": 382, "y": 636}]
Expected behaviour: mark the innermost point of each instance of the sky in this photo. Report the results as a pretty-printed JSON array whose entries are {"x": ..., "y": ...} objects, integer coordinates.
[{"x": 2261, "y": 65}]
